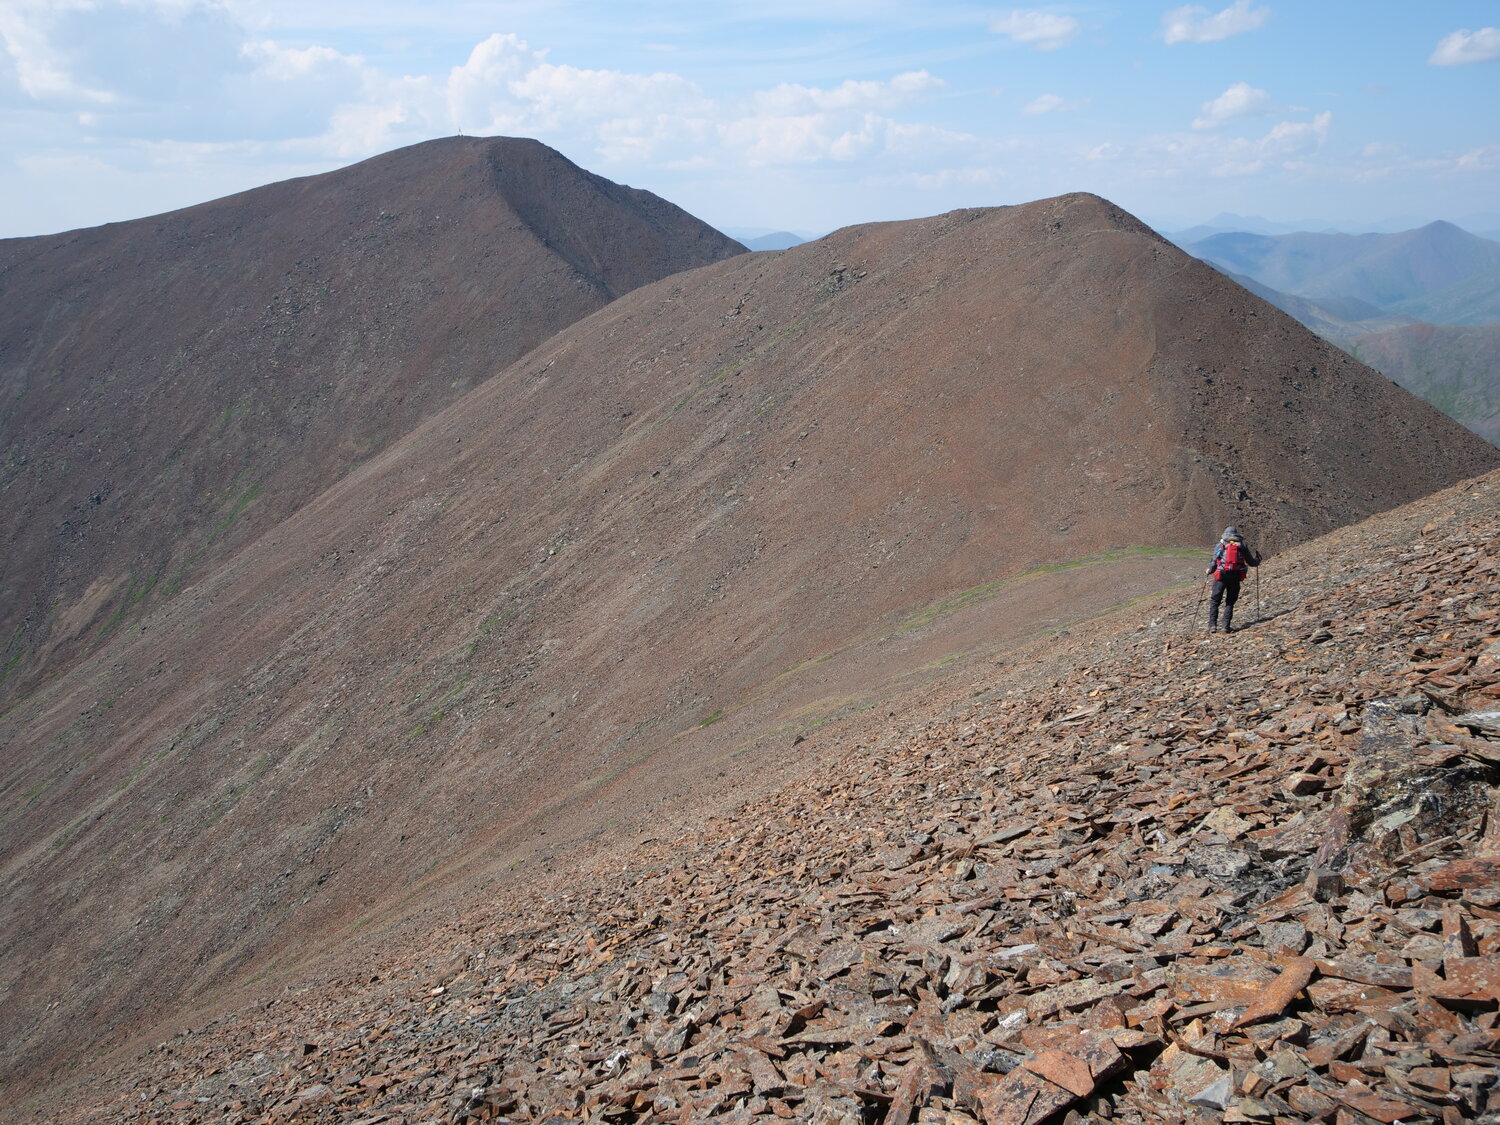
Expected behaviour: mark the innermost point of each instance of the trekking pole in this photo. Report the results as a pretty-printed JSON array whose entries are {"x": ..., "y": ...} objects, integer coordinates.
[
  {"x": 1257, "y": 595},
  {"x": 1198, "y": 609}
]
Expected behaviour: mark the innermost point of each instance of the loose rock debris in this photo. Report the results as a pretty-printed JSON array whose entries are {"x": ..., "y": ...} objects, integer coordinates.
[{"x": 1243, "y": 879}]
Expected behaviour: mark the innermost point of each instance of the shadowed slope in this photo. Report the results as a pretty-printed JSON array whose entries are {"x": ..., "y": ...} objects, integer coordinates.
[
  {"x": 1456, "y": 369},
  {"x": 172, "y": 385},
  {"x": 655, "y": 518},
  {"x": 1450, "y": 366}
]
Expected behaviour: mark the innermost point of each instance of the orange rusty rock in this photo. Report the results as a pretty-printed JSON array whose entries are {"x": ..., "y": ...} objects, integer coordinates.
[
  {"x": 918, "y": 1081},
  {"x": 1464, "y": 874},
  {"x": 1274, "y": 998},
  {"x": 1366, "y": 972},
  {"x": 1242, "y": 981},
  {"x": 1458, "y": 939},
  {"x": 838, "y": 946},
  {"x": 1331, "y": 995},
  {"x": 1022, "y": 1097},
  {"x": 1322, "y": 1055},
  {"x": 1310, "y": 1102},
  {"x": 1381, "y": 1109},
  {"x": 1068, "y": 1071},
  {"x": 1302, "y": 784},
  {"x": 1473, "y": 978},
  {"x": 1432, "y": 1077}
]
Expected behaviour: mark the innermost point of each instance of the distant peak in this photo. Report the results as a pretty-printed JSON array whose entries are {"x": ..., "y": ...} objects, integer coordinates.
[{"x": 1442, "y": 231}]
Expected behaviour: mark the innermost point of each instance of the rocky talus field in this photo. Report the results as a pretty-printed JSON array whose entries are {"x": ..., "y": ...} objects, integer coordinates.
[{"x": 1136, "y": 873}]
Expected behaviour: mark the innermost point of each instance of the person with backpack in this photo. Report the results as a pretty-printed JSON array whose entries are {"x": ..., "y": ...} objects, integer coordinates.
[{"x": 1233, "y": 559}]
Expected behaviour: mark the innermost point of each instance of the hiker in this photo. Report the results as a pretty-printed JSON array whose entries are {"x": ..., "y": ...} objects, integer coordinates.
[{"x": 1233, "y": 559}]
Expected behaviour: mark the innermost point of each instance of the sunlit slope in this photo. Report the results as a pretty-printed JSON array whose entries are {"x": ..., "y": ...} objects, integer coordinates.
[{"x": 637, "y": 527}]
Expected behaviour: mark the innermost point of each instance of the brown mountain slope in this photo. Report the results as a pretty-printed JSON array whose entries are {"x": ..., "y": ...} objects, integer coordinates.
[
  {"x": 1137, "y": 873},
  {"x": 657, "y": 526},
  {"x": 171, "y": 386}
]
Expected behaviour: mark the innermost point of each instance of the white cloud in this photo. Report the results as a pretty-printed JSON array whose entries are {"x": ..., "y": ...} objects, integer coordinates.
[
  {"x": 791, "y": 98},
  {"x": 944, "y": 178},
  {"x": 812, "y": 138},
  {"x": 672, "y": 139},
  {"x": 202, "y": 83},
  {"x": 507, "y": 87},
  {"x": 1297, "y": 136},
  {"x": 41, "y": 68},
  {"x": 478, "y": 94},
  {"x": 152, "y": 69},
  {"x": 1207, "y": 154},
  {"x": 1465, "y": 46},
  {"x": 64, "y": 164},
  {"x": 786, "y": 139},
  {"x": 1052, "y": 103},
  {"x": 288, "y": 64},
  {"x": 290, "y": 92},
  {"x": 362, "y": 128},
  {"x": 300, "y": 101},
  {"x": 556, "y": 96},
  {"x": 1482, "y": 159},
  {"x": 1192, "y": 24},
  {"x": 1043, "y": 30},
  {"x": 1384, "y": 161},
  {"x": 1240, "y": 100},
  {"x": 920, "y": 144},
  {"x": 795, "y": 124}
]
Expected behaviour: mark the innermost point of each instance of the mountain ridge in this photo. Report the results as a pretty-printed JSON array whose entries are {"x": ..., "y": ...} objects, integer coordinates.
[
  {"x": 219, "y": 365},
  {"x": 1418, "y": 272}
]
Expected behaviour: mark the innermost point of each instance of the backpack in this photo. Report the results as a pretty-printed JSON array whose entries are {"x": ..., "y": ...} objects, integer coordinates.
[{"x": 1232, "y": 559}]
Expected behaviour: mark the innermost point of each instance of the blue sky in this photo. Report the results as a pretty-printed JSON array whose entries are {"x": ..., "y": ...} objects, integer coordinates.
[{"x": 802, "y": 116}]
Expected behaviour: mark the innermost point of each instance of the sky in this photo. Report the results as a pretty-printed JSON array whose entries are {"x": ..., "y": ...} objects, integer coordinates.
[{"x": 773, "y": 114}]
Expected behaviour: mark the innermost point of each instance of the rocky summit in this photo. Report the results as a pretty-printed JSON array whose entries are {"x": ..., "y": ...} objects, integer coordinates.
[{"x": 1133, "y": 872}]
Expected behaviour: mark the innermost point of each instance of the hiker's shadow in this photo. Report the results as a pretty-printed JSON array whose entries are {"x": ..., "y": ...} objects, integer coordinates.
[
  {"x": 1266, "y": 617},
  {"x": 1244, "y": 623}
]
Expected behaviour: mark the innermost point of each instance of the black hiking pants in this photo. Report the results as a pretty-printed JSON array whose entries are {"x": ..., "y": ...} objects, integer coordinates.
[{"x": 1226, "y": 590}]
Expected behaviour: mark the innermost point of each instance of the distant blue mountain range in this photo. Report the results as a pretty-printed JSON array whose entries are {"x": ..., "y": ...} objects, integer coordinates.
[{"x": 1421, "y": 306}]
